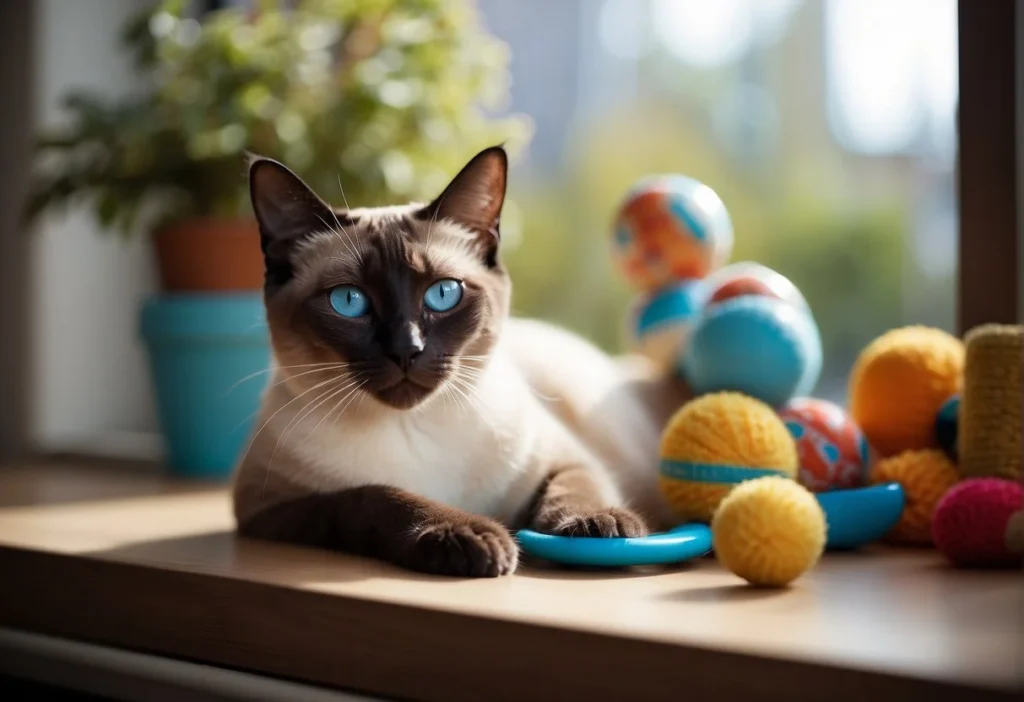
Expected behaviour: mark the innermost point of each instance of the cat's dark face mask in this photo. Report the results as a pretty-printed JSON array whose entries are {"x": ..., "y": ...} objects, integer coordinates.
[{"x": 400, "y": 303}]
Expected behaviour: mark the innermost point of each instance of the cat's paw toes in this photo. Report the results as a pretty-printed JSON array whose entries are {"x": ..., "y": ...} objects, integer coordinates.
[
  {"x": 605, "y": 523},
  {"x": 476, "y": 549}
]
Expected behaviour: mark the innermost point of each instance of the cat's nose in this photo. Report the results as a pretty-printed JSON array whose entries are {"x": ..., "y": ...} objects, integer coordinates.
[{"x": 406, "y": 344}]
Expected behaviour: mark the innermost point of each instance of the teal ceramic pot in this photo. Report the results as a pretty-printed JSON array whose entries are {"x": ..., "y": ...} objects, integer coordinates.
[{"x": 206, "y": 354}]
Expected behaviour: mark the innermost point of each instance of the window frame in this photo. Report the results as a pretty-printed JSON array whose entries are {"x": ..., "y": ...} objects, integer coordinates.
[{"x": 989, "y": 150}]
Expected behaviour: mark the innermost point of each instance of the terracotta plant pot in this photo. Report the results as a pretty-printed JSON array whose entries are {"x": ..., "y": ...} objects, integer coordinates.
[{"x": 209, "y": 254}]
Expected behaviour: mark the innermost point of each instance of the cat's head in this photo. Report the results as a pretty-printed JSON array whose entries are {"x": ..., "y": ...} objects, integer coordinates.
[{"x": 392, "y": 302}]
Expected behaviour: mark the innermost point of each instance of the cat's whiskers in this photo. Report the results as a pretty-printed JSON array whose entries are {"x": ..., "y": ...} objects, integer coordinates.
[
  {"x": 341, "y": 368},
  {"x": 306, "y": 410},
  {"x": 472, "y": 395},
  {"x": 471, "y": 388},
  {"x": 457, "y": 395},
  {"x": 282, "y": 408},
  {"x": 343, "y": 198},
  {"x": 321, "y": 367},
  {"x": 346, "y": 240},
  {"x": 356, "y": 252},
  {"x": 433, "y": 220},
  {"x": 329, "y": 412},
  {"x": 277, "y": 412}
]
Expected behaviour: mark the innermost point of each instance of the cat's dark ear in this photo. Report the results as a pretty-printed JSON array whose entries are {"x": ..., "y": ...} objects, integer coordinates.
[
  {"x": 287, "y": 211},
  {"x": 475, "y": 197}
]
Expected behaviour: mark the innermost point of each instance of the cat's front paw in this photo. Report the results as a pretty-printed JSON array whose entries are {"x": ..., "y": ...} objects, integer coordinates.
[
  {"x": 606, "y": 523},
  {"x": 477, "y": 548}
]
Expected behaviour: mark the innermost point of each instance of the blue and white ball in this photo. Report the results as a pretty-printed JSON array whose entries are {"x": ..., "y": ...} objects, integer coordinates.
[
  {"x": 760, "y": 346},
  {"x": 660, "y": 324}
]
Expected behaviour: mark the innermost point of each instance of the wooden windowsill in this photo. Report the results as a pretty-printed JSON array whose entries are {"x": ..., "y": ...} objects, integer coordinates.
[{"x": 135, "y": 560}]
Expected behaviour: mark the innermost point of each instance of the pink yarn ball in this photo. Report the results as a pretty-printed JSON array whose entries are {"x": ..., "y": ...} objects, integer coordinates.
[{"x": 969, "y": 523}]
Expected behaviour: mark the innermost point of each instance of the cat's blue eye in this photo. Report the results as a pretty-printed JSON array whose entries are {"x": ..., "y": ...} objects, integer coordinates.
[
  {"x": 443, "y": 295},
  {"x": 349, "y": 301}
]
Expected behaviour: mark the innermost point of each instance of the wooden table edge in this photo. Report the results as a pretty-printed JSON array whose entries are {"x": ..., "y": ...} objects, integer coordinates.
[{"x": 399, "y": 650}]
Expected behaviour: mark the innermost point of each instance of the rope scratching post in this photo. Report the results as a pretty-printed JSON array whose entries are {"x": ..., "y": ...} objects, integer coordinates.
[{"x": 992, "y": 410}]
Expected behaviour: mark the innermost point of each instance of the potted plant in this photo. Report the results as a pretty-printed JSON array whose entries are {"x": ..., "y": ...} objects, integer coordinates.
[{"x": 374, "y": 100}]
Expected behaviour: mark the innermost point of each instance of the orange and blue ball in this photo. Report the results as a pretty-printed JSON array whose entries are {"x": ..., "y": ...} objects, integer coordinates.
[
  {"x": 747, "y": 278},
  {"x": 832, "y": 449},
  {"x": 671, "y": 228}
]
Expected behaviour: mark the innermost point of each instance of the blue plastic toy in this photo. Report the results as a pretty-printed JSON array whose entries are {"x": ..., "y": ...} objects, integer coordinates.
[
  {"x": 683, "y": 543},
  {"x": 861, "y": 515},
  {"x": 759, "y": 346},
  {"x": 855, "y": 517}
]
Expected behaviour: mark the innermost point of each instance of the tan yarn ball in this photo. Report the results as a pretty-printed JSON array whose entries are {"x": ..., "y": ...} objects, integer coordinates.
[{"x": 900, "y": 382}]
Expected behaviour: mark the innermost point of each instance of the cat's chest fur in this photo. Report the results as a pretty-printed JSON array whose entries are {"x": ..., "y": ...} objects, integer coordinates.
[{"x": 469, "y": 451}]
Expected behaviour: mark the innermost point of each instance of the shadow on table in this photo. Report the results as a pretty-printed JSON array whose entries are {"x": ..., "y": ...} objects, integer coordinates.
[
  {"x": 722, "y": 594},
  {"x": 60, "y": 481},
  {"x": 224, "y": 553}
]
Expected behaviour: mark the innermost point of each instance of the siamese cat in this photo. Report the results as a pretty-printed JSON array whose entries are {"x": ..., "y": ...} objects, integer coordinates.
[{"x": 408, "y": 418}]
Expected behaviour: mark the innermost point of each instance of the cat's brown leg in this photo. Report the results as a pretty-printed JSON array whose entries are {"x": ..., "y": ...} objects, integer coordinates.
[
  {"x": 394, "y": 525},
  {"x": 571, "y": 503}
]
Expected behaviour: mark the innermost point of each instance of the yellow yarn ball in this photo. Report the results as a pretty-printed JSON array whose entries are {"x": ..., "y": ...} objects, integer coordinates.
[
  {"x": 925, "y": 476},
  {"x": 716, "y": 441},
  {"x": 769, "y": 531},
  {"x": 899, "y": 384}
]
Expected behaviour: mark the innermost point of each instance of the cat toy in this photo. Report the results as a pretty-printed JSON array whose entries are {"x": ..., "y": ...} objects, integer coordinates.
[
  {"x": 756, "y": 335},
  {"x": 769, "y": 531},
  {"x": 991, "y": 413},
  {"x": 980, "y": 522},
  {"x": 670, "y": 228},
  {"x": 712, "y": 445},
  {"x": 831, "y": 447},
  {"x": 900, "y": 382}
]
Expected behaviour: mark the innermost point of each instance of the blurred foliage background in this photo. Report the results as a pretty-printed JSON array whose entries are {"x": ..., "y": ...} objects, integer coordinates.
[
  {"x": 826, "y": 126},
  {"x": 853, "y": 199},
  {"x": 383, "y": 96}
]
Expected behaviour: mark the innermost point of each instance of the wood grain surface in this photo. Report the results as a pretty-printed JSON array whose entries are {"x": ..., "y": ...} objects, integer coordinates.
[{"x": 138, "y": 561}]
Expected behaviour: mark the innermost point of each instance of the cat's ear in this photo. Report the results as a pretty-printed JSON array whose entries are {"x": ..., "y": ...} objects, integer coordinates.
[
  {"x": 286, "y": 209},
  {"x": 475, "y": 197}
]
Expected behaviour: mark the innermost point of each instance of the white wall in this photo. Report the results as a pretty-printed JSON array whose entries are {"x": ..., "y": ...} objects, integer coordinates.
[{"x": 89, "y": 377}]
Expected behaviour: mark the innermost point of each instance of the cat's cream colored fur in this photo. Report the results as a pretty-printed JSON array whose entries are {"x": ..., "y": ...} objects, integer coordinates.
[{"x": 545, "y": 398}]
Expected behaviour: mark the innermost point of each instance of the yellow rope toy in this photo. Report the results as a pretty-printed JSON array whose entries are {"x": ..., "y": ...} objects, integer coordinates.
[{"x": 991, "y": 424}]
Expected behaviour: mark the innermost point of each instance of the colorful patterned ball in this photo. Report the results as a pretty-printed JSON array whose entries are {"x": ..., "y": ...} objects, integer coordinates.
[
  {"x": 833, "y": 451},
  {"x": 671, "y": 228},
  {"x": 759, "y": 346},
  {"x": 659, "y": 324},
  {"x": 749, "y": 278}
]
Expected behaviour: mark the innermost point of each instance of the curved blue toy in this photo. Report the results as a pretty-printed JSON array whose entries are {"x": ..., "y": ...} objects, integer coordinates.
[
  {"x": 855, "y": 517},
  {"x": 681, "y": 544},
  {"x": 859, "y": 516}
]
